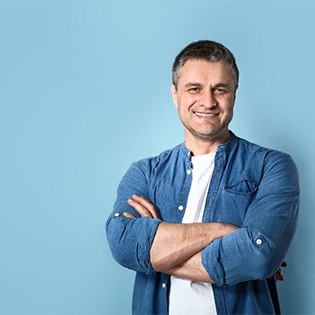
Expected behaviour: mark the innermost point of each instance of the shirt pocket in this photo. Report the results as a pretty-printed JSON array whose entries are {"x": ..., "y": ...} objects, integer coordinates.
[
  {"x": 235, "y": 198},
  {"x": 243, "y": 185}
]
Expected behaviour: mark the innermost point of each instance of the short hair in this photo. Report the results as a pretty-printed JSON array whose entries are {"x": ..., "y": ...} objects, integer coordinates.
[{"x": 204, "y": 50}]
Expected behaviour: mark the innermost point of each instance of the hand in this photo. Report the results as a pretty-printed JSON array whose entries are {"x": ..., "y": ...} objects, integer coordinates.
[
  {"x": 143, "y": 206},
  {"x": 278, "y": 275}
]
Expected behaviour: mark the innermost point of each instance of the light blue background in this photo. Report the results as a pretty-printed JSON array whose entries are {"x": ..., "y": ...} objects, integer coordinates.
[{"x": 84, "y": 91}]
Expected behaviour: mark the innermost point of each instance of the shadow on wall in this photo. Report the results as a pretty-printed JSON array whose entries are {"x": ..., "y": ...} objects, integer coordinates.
[{"x": 296, "y": 292}]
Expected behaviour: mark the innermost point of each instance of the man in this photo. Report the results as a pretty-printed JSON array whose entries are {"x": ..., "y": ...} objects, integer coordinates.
[{"x": 206, "y": 224}]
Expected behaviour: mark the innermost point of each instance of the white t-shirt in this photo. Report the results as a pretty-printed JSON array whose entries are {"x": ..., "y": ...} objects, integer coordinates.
[{"x": 192, "y": 297}]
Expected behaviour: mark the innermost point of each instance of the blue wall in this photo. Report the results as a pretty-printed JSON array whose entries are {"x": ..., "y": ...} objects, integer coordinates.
[{"x": 84, "y": 91}]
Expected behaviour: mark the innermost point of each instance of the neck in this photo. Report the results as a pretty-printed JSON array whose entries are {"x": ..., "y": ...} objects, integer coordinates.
[{"x": 199, "y": 146}]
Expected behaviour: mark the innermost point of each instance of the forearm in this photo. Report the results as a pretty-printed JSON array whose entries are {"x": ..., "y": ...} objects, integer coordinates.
[
  {"x": 174, "y": 244},
  {"x": 192, "y": 269}
]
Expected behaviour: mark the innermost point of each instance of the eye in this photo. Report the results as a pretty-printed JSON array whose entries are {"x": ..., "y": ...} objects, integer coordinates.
[
  {"x": 194, "y": 90},
  {"x": 221, "y": 90}
]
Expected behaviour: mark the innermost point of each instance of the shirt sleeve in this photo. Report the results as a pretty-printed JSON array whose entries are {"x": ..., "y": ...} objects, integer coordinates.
[
  {"x": 257, "y": 249},
  {"x": 130, "y": 239}
]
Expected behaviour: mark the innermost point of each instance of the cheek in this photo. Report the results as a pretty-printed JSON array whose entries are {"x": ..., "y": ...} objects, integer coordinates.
[
  {"x": 182, "y": 104},
  {"x": 229, "y": 113},
  {"x": 229, "y": 106},
  {"x": 187, "y": 102},
  {"x": 182, "y": 111}
]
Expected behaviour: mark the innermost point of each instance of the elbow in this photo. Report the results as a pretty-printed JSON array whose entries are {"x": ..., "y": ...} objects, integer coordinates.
[
  {"x": 115, "y": 233},
  {"x": 263, "y": 264},
  {"x": 264, "y": 269},
  {"x": 248, "y": 271},
  {"x": 112, "y": 240}
]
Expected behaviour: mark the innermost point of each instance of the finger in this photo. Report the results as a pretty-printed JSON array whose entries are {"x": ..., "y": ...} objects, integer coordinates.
[
  {"x": 140, "y": 208},
  {"x": 147, "y": 204},
  {"x": 143, "y": 206},
  {"x": 279, "y": 276},
  {"x": 129, "y": 215}
]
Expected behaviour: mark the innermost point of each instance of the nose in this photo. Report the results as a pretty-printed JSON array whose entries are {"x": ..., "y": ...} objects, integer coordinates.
[{"x": 208, "y": 100}]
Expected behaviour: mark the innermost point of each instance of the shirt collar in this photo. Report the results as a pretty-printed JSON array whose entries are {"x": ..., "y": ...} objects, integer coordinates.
[{"x": 221, "y": 147}]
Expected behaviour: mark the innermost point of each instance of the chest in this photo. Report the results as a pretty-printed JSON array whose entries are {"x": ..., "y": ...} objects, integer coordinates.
[{"x": 229, "y": 195}]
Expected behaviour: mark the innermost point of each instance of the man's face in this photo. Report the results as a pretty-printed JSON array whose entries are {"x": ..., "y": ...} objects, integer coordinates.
[{"x": 204, "y": 98}]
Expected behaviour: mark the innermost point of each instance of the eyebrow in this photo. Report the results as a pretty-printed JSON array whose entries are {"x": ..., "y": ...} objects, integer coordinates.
[
  {"x": 225, "y": 85},
  {"x": 189, "y": 84}
]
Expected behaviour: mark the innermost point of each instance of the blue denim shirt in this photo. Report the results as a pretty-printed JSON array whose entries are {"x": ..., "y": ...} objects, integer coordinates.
[{"x": 252, "y": 187}]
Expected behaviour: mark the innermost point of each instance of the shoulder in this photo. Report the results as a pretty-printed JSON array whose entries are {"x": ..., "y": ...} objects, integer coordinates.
[
  {"x": 253, "y": 149},
  {"x": 150, "y": 164},
  {"x": 270, "y": 160}
]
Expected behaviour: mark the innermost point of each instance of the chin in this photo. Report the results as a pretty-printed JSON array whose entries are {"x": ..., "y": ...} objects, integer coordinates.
[{"x": 211, "y": 134}]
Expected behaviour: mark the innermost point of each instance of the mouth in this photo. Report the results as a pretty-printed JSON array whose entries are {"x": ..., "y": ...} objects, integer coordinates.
[{"x": 199, "y": 114}]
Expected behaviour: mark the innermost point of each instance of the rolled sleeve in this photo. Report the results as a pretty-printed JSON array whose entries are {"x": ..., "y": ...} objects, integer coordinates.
[
  {"x": 256, "y": 250},
  {"x": 240, "y": 256},
  {"x": 130, "y": 239}
]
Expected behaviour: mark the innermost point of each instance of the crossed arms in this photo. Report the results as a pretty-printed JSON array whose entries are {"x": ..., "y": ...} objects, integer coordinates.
[{"x": 176, "y": 249}]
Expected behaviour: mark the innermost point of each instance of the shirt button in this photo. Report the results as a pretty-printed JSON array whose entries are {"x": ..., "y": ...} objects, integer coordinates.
[
  {"x": 188, "y": 172},
  {"x": 258, "y": 241},
  {"x": 180, "y": 208},
  {"x": 117, "y": 214},
  {"x": 163, "y": 285}
]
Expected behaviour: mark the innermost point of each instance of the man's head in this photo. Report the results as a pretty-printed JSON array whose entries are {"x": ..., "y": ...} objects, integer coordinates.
[
  {"x": 205, "y": 79},
  {"x": 204, "y": 50}
]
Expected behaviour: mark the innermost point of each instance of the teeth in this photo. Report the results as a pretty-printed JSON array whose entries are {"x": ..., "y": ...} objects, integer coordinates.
[{"x": 204, "y": 115}]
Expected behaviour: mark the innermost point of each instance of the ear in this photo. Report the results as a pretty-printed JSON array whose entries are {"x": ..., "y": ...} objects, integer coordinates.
[
  {"x": 234, "y": 98},
  {"x": 174, "y": 95},
  {"x": 235, "y": 93}
]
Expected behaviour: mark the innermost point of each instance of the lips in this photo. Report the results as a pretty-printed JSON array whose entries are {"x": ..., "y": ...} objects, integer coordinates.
[{"x": 200, "y": 114}]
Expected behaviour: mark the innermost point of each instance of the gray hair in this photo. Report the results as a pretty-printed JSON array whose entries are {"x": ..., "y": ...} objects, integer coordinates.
[{"x": 204, "y": 50}]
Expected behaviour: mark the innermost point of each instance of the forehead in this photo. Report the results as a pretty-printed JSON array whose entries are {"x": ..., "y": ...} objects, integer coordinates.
[{"x": 203, "y": 71}]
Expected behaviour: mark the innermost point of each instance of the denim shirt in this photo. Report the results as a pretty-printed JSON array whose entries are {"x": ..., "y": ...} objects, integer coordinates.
[{"x": 251, "y": 187}]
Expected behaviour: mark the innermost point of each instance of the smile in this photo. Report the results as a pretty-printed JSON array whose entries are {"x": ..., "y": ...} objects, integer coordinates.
[{"x": 205, "y": 114}]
